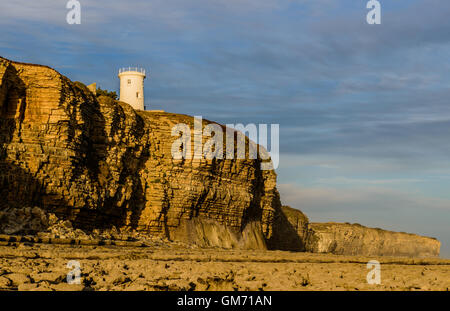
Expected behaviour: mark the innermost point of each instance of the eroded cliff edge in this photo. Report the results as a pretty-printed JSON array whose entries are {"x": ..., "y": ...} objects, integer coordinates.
[
  {"x": 355, "y": 239},
  {"x": 98, "y": 162}
]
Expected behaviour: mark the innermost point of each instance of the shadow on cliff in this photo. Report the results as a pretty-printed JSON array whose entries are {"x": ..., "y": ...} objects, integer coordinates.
[
  {"x": 97, "y": 145},
  {"x": 12, "y": 106},
  {"x": 18, "y": 188},
  {"x": 94, "y": 208},
  {"x": 284, "y": 236}
]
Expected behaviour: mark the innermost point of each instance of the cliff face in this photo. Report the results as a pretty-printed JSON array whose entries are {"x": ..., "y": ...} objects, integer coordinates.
[
  {"x": 350, "y": 239},
  {"x": 100, "y": 163},
  {"x": 354, "y": 239}
]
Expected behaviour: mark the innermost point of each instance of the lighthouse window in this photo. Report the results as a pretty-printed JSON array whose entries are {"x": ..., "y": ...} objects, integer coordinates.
[
  {"x": 137, "y": 94},
  {"x": 129, "y": 81}
]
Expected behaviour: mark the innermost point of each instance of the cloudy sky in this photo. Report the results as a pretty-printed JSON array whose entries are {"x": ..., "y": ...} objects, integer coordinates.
[{"x": 363, "y": 109}]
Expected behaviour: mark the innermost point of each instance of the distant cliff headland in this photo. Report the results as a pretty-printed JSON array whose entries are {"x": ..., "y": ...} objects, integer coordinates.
[{"x": 100, "y": 164}]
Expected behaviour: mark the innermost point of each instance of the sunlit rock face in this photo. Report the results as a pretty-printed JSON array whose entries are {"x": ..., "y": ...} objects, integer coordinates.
[
  {"x": 354, "y": 239},
  {"x": 100, "y": 163},
  {"x": 347, "y": 239}
]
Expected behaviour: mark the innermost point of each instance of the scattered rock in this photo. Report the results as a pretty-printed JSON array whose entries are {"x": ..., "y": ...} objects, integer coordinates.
[
  {"x": 5, "y": 282},
  {"x": 50, "y": 277},
  {"x": 18, "y": 278}
]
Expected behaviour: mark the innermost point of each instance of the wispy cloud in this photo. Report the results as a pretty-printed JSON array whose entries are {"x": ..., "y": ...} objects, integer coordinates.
[
  {"x": 407, "y": 211},
  {"x": 340, "y": 180},
  {"x": 361, "y": 197},
  {"x": 360, "y": 108}
]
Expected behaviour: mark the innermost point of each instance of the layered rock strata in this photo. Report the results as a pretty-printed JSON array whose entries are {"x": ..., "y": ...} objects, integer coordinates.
[
  {"x": 354, "y": 239},
  {"x": 98, "y": 162}
]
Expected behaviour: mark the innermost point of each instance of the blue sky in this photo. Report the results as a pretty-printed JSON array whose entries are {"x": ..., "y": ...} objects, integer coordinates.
[{"x": 363, "y": 109}]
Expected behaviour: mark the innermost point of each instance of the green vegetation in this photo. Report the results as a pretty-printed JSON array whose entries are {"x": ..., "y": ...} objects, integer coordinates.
[{"x": 111, "y": 94}]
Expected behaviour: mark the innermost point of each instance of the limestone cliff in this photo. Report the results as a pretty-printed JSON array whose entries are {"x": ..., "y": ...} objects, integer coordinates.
[
  {"x": 98, "y": 162},
  {"x": 354, "y": 239}
]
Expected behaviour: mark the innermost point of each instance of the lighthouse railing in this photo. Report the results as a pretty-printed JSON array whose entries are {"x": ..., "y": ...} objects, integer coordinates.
[{"x": 136, "y": 69}]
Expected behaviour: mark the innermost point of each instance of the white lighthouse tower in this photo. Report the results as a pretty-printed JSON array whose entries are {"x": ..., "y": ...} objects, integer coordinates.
[{"x": 132, "y": 87}]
